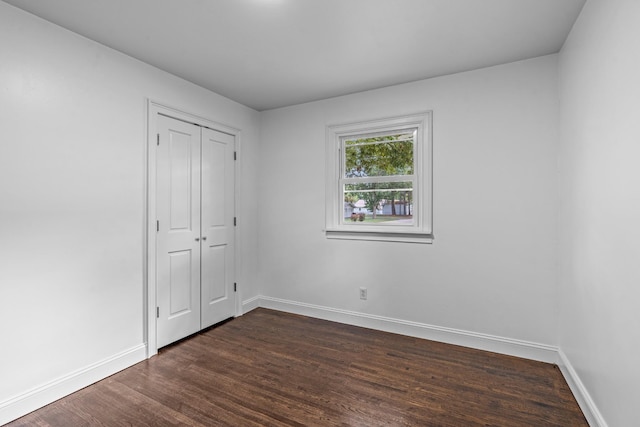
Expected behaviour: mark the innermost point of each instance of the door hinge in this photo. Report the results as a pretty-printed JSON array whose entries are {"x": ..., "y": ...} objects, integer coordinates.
[
  {"x": 235, "y": 155},
  {"x": 235, "y": 222},
  {"x": 157, "y": 312},
  {"x": 235, "y": 287},
  {"x": 158, "y": 140},
  {"x": 157, "y": 225}
]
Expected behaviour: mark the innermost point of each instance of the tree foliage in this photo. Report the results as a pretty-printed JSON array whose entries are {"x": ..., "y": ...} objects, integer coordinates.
[{"x": 379, "y": 156}]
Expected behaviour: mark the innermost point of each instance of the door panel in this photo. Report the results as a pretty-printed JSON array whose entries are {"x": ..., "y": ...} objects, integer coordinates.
[
  {"x": 218, "y": 296},
  {"x": 215, "y": 275},
  {"x": 178, "y": 238},
  {"x": 180, "y": 289},
  {"x": 213, "y": 174},
  {"x": 180, "y": 180}
]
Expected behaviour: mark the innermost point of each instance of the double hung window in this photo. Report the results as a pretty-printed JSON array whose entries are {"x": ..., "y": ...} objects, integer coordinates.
[{"x": 379, "y": 180}]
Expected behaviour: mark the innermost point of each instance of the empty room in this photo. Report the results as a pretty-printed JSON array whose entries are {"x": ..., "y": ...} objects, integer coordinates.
[{"x": 320, "y": 212}]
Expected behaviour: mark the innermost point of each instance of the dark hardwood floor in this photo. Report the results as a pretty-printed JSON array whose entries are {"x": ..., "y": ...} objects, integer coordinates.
[{"x": 269, "y": 368}]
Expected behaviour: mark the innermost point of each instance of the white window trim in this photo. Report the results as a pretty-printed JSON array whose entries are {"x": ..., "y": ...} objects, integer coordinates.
[{"x": 422, "y": 230}]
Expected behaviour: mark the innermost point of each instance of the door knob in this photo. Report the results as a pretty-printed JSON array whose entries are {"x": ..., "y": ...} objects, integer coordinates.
[
  {"x": 204, "y": 238},
  {"x": 197, "y": 239}
]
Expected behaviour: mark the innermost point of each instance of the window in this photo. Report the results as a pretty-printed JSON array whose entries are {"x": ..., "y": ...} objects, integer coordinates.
[{"x": 379, "y": 180}]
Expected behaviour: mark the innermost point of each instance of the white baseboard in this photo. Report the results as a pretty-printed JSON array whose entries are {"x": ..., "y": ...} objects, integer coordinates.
[
  {"x": 250, "y": 304},
  {"x": 512, "y": 347},
  {"x": 38, "y": 397},
  {"x": 588, "y": 406}
]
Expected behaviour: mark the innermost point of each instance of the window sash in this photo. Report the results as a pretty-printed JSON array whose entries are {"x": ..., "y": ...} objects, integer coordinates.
[
  {"x": 410, "y": 136},
  {"x": 343, "y": 180}
]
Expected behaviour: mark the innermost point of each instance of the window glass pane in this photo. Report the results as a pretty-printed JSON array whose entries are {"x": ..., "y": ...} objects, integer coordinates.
[
  {"x": 384, "y": 203},
  {"x": 379, "y": 155}
]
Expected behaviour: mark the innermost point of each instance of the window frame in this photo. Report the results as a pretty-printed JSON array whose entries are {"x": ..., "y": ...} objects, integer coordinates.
[{"x": 421, "y": 231}]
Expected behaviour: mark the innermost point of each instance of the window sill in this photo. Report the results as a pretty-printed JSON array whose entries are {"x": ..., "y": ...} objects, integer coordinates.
[{"x": 379, "y": 236}]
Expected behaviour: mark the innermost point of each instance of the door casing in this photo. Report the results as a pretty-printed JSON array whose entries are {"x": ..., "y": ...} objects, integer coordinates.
[{"x": 149, "y": 247}]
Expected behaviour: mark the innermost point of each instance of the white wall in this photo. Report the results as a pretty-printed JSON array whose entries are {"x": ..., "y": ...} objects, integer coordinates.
[
  {"x": 600, "y": 206},
  {"x": 72, "y": 159},
  {"x": 492, "y": 266}
]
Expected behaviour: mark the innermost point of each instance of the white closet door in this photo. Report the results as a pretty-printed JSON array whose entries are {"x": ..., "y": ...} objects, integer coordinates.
[
  {"x": 217, "y": 284},
  {"x": 179, "y": 230}
]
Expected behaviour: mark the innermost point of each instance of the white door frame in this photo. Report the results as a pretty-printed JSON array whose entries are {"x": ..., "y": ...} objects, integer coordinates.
[{"x": 149, "y": 242}]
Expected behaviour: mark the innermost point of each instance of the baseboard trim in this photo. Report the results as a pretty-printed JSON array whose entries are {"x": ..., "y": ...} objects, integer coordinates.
[
  {"x": 496, "y": 344},
  {"x": 38, "y": 397},
  {"x": 586, "y": 403},
  {"x": 250, "y": 304}
]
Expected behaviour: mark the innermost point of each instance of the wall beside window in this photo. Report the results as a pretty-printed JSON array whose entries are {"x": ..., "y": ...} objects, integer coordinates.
[
  {"x": 72, "y": 177},
  {"x": 600, "y": 210},
  {"x": 491, "y": 268}
]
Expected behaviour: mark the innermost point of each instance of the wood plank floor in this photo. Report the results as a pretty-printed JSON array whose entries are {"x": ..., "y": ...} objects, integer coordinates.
[{"x": 269, "y": 368}]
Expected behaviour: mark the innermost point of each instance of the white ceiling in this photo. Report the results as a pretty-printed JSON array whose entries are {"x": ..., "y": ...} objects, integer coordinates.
[{"x": 272, "y": 53}]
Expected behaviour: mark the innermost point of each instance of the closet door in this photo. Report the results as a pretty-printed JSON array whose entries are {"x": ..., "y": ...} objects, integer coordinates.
[
  {"x": 178, "y": 248},
  {"x": 217, "y": 289}
]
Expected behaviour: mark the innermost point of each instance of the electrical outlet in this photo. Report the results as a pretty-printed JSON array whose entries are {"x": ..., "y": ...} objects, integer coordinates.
[{"x": 363, "y": 293}]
